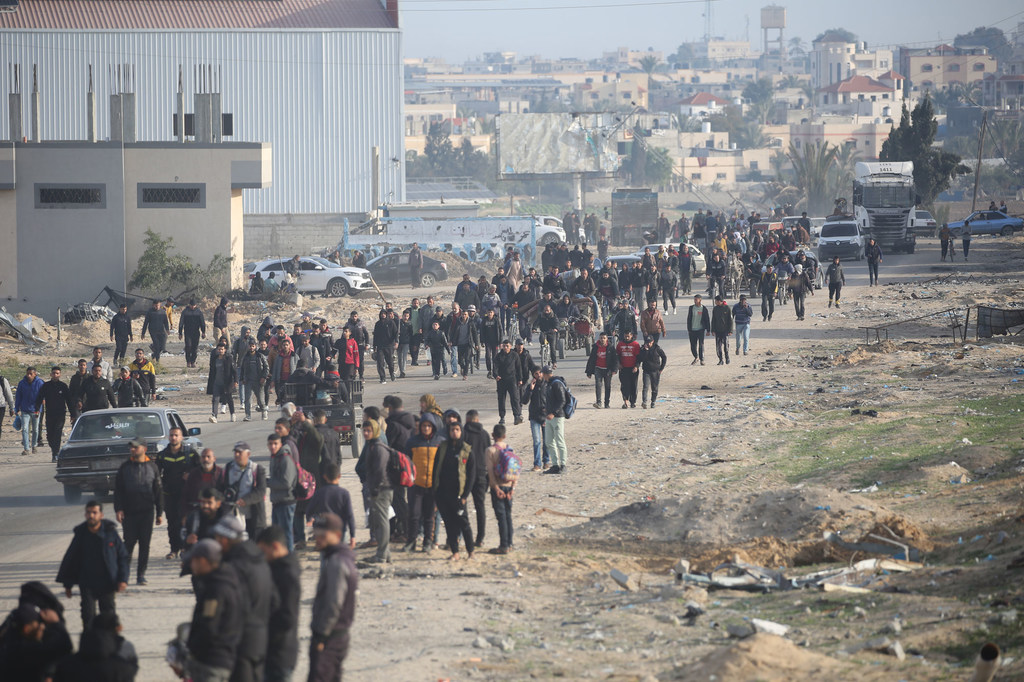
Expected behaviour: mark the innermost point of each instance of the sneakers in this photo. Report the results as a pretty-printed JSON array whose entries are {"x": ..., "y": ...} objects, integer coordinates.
[
  {"x": 830, "y": 303},
  {"x": 400, "y": 376},
  {"x": 213, "y": 419},
  {"x": 643, "y": 406},
  {"x": 606, "y": 406},
  {"x": 727, "y": 361},
  {"x": 518, "y": 421},
  {"x": 624, "y": 405},
  {"x": 673, "y": 311},
  {"x": 720, "y": 362},
  {"x": 597, "y": 405},
  {"x": 701, "y": 363},
  {"x": 383, "y": 382},
  {"x": 25, "y": 453},
  {"x": 408, "y": 547},
  {"x": 264, "y": 415},
  {"x": 502, "y": 421},
  {"x": 232, "y": 417},
  {"x": 223, "y": 409},
  {"x": 694, "y": 361},
  {"x": 246, "y": 418},
  {"x": 142, "y": 580},
  {"x": 553, "y": 470}
]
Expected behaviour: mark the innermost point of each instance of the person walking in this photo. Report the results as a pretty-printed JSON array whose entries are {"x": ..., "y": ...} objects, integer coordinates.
[
  {"x": 533, "y": 395},
  {"x": 836, "y": 279},
  {"x": 375, "y": 456},
  {"x": 244, "y": 485},
  {"x": 652, "y": 361},
  {"x": 768, "y": 288},
  {"x": 652, "y": 324},
  {"x": 97, "y": 393},
  {"x": 56, "y": 395},
  {"x": 873, "y": 252},
  {"x": 415, "y": 266},
  {"x": 219, "y": 616},
  {"x": 7, "y": 397},
  {"x": 479, "y": 440},
  {"x": 965, "y": 238},
  {"x": 191, "y": 325},
  {"x": 454, "y": 476},
  {"x": 502, "y": 477},
  {"x": 221, "y": 382},
  {"x": 698, "y": 325},
  {"x": 358, "y": 332},
  {"x": 628, "y": 352},
  {"x": 96, "y": 561},
  {"x": 155, "y": 322},
  {"x": 945, "y": 240},
  {"x": 507, "y": 372},
  {"x": 721, "y": 327},
  {"x": 281, "y": 482},
  {"x": 121, "y": 332},
  {"x": 601, "y": 365},
  {"x": 422, "y": 448},
  {"x": 800, "y": 285},
  {"x": 26, "y": 398},
  {"x": 555, "y": 395},
  {"x": 283, "y": 629},
  {"x": 128, "y": 390},
  {"x": 253, "y": 373},
  {"x": 385, "y": 342},
  {"x": 742, "y": 314},
  {"x": 175, "y": 462},
  {"x": 220, "y": 320},
  {"x": 334, "y": 605},
  {"x": 138, "y": 501}
]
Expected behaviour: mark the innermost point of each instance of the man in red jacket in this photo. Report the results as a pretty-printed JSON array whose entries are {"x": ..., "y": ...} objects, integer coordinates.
[{"x": 628, "y": 351}]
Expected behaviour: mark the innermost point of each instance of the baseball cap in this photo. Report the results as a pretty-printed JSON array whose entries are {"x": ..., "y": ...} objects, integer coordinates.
[
  {"x": 241, "y": 445},
  {"x": 207, "y": 548},
  {"x": 137, "y": 443},
  {"x": 328, "y": 521},
  {"x": 547, "y": 369},
  {"x": 471, "y": 309},
  {"x": 26, "y": 614},
  {"x": 229, "y": 527}
]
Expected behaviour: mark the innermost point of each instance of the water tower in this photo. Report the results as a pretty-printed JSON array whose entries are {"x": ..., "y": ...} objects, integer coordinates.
[{"x": 773, "y": 18}]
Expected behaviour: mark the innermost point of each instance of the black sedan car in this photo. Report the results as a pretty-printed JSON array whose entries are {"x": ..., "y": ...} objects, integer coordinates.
[{"x": 393, "y": 268}]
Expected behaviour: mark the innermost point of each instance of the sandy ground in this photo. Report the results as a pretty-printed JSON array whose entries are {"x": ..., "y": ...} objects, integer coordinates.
[{"x": 754, "y": 460}]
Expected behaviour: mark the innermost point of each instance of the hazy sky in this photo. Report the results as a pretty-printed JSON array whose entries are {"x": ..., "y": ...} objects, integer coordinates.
[{"x": 463, "y": 29}]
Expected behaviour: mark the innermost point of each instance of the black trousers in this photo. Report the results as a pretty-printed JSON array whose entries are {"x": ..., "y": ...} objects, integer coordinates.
[
  {"x": 436, "y": 358},
  {"x": 120, "y": 348},
  {"x": 602, "y": 377},
  {"x": 511, "y": 389},
  {"x": 722, "y": 346},
  {"x": 400, "y": 504},
  {"x": 191, "y": 348},
  {"x": 414, "y": 348},
  {"x": 326, "y": 665},
  {"x": 767, "y": 305},
  {"x": 172, "y": 506},
  {"x": 967, "y": 247},
  {"x": 479, "y": 503},
  {"x": 627, "y": 384},
  {"x": 945, "y": 248},
  {"x": 697, "y": 344},
  {"x": 55, "y": 430},
  {"x": 465, "y": 358},
  {"x": 362, "y": 361},
  {"x": 299, "y": 521},
  {"x": 385, "y": 359},
  {"x": 158, "y": 346},
  {"x": 456, "y": 522},
  {"x": 668, "y": 296},
  {"x": 138, "y": 528},
  {"x": 835, "y": 290},
  {"x": 798, "y": 304},
  {"x": 90, "y": 600},
  {"x": 421, "y": 515}
]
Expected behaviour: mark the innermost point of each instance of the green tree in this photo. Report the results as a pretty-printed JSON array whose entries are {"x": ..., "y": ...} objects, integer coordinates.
[
  {"x": 840, "y": 177},
  {"x": 161, "y": 272},
  {"x": 659, "y": 166},
  {"x": 684, "y": 55},
  {"x": 649, "y": 64},
  {"x": 791, "y": 81},
  {"x": 759, "y": 96},
  {"x": 986, "y": 36},
  {"x": 836, "y": 35},
  {"x": 811, "y": 170},
  {"x": 934, "y": 169},
  {"x": 797, "y": 46},
  {"x": 438, "y": 149}
]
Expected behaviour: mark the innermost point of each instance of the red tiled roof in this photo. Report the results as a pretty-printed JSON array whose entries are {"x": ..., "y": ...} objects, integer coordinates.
[
  {"x": 891, "y": 75},
  {"x": 857, "y": 84},
  {"x": 702, "y": 99},
  {"x": 197, "y": 14}
]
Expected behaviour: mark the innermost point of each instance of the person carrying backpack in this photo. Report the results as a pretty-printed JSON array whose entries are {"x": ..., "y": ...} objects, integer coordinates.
[
  {"x": 555, "y": 395},
  {"x": 503, "y": 467}
]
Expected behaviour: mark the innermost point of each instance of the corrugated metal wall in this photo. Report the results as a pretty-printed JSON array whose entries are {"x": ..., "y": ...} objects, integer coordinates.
[{"x": 323, "y": 99}]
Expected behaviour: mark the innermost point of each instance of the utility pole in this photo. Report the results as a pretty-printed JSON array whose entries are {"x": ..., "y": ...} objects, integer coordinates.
[{"x": 981, "y": 148}]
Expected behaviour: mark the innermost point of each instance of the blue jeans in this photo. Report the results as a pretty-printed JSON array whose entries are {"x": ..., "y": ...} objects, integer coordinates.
[
  {"x": 283, "y": 515},
  {"x": 537, "y": 432},
  {"x": 743, "y": 332},
  {"x": 29, "y": 430},
  {"x": 503, "y": 515}
]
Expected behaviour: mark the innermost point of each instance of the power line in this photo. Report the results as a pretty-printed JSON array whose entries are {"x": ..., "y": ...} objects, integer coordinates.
[{"x": 647, "y": 3}]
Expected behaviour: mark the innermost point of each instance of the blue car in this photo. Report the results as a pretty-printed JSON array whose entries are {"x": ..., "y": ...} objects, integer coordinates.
[{"x": 988, "y": 222}]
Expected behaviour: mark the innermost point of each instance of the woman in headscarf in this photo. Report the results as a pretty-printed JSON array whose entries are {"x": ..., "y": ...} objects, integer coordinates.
[
  {"x": 265, "y": 329},
  {"x": 428, "y": 404},
  {"x": 454, "y": 476}
]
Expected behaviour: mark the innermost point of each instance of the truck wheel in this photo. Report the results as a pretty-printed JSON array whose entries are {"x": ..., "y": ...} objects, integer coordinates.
[
  {"x": 72, "y": 494},
  {"x": 427, "y": 279},
  {"x": 912, "y": 247}
]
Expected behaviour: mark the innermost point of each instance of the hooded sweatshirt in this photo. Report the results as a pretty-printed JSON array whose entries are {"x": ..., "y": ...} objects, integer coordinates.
[{"x": 423, "y": 451}]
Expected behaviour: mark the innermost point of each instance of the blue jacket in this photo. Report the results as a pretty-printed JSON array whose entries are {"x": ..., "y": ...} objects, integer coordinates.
[
  {"x": 25, "y": 398},
  {"x": 742, "y": 312}
]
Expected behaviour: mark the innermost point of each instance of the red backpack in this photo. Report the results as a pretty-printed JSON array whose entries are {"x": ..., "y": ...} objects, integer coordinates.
[{"x": 401, "y": 470}]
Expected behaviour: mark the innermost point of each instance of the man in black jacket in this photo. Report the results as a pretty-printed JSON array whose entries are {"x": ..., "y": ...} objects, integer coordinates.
[
  {"x": 219, "y": 616},
  {"x": 257, "y": 592},
  {"x": 602, "y": 365},
  {"x": 385, "y": 341},
  {"x": 334, "y": 606},
  {"x": 138, "y": 498},
  {"x": 508, "y": 377},
  {"x": 191, "y": 325},
  {"x": 175, "y": 462},
  {"x": 56, "y": 395},
  {"x": 121, "y": 332},
  {"x": 97, "y": 562},
  {"x": 208, "y": 512},
  {"x": 652, "y": 361},
  {"x": 698, "y": 325},
  {"x": 378, "y": 486},
  {"x": 283, "y": 630},
  {"x": 331, "y": 449},
  {"x": 157, "y": 325},
  {"x": 479, "y": 440},
  {"x": 128, "y": 390},
  {"x": 533, "y": 395},
  {"x": 97, "y": 393},
  {"x": 554, "y": 396}
]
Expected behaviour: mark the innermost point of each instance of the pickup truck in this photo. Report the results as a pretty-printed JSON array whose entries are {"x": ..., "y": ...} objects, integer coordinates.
[
  {"x": 342, "y": 405},
  {"x": 98, "y": 445}
]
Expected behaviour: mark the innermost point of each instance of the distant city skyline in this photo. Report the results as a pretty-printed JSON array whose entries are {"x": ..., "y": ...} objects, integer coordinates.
[{"x": 461, "y": 30}]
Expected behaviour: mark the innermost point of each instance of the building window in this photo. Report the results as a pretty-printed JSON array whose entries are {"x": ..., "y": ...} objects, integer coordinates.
[
  {"x": 71, "y": 196},
  {"x": 172, "y": 195},
  {"x": 753, "y": 165},
  {"x": 695, "y": 176},
  {"x": 979, "y": 67},
  {"x": 720, "y": 176},
  {"x": 927, "y": 68},
  {"x": 953, "y": 67}
]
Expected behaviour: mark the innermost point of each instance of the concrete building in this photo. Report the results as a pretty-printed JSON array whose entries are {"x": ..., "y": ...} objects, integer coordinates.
[
  {"x": 936, "y": 68},
  {"x": 863, "y": 96},
  {"x": 863, "y": 133},
  {"x": 834, "y": 60},
  {"x": 321, "y": 80},
  {"x": 702, "y": 104},
  {"x": 74, "y": 215}
]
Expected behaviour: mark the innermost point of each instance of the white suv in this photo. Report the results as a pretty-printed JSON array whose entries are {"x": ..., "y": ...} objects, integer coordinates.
[
  {"x": 841, "y": 238},
  {"x": 317, "y": 275}
]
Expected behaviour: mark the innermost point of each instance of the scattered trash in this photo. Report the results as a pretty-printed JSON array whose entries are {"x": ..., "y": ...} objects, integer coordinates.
[
  {"x": 866, "y": 413},
  {"x": 887, "y": 546},
  {"x": 873, "y": 488},
  {"x": 740, "y": 630},
  {"x": 19, "y": 330},
  {"x": 769, "y": 627},
  {"x": 481, "y": 643},
  {"x": 545, "y": 510}
]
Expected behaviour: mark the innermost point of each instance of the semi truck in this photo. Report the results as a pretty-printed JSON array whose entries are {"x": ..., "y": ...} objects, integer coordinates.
[{"x": 884, "y": 202}]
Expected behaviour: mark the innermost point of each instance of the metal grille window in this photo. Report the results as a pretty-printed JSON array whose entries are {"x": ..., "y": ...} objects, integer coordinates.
[
  {"x": 176, "y": 195},
  {"x": 71, "y": 196}
]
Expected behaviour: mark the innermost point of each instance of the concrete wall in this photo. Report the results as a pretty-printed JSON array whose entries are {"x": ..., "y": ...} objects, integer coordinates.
[{"x": 269, "y": 236}]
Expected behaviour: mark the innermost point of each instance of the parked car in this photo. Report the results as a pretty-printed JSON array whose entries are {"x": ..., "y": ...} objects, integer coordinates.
[
  {"x": 924, "y": 223},
  {"x": 98, "y": 445},
  {"x": 393, "y": 268},
  {"x": 546, "y": 223},
  {"x": 317, "y": 275},
  {"x": 988, "y": 222},
  {"x": 698, "y": 258},
  {"x": 841, "y": 238}
]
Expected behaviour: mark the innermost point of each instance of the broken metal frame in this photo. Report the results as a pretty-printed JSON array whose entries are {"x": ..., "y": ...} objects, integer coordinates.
[
  {"x": 959, "y": 329},
  {"x": 1006, "y": 327}
]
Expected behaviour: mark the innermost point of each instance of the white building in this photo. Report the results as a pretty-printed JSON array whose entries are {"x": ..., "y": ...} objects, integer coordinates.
[
  {"x": 835, "y": 60},
  {"x": 320, "y": 80}
]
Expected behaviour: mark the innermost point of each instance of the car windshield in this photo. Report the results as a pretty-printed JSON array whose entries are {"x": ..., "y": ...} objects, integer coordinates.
[
  {"x": 117, "y": 426},
  {"x": 839, "y": 230},
  {"x": 924, "y": 215},
  {"x": 324, "y": 262}
]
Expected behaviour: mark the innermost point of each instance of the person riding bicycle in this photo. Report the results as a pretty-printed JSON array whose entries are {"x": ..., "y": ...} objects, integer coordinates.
[
  {"x": 608, "y": 287},
  {"x": 624, "y": 320},
  {"x": 547, "y": 325},
  {"x": 565, "y": 309}
]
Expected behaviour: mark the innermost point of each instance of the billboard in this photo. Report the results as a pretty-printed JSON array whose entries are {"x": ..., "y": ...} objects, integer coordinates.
[{"x": 537, "y": 145}]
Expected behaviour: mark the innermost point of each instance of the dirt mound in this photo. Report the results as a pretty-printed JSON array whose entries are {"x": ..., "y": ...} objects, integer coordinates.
[
  {"x": 865, "y": 353},
  {"x": 905, "y": 531},
  {"x": 763, "y": 419},
  {"x": 763, "y": 657}
]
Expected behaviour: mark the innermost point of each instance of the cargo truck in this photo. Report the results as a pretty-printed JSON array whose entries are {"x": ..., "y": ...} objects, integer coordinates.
[{"x": 884, "y": 202}]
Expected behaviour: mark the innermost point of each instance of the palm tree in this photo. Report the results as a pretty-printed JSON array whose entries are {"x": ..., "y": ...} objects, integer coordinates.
[
  {"x": 842, "y": 171},
  {"x": 649, "y": 64},
  {"x": 750, "y": 136},
  {"x": 811, "y": 173},
  {"x": 790, "y": 81},
  {"x": 796, "y": 46}
]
